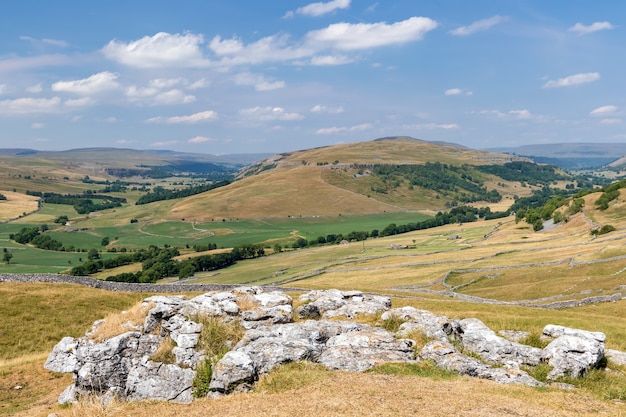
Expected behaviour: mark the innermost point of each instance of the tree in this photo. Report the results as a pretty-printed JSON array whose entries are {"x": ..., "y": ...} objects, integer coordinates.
[
  {"x": 7, "y": 256},
  {"x": 93, "y": 254},
  {"x": 105, "y": 241}
]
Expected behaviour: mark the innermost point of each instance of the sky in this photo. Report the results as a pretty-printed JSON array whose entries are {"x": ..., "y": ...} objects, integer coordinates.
[{"x": 253, "y": 76}]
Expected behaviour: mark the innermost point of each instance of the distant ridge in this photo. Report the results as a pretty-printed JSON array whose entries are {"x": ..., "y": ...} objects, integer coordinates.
[{"x": 570, "y": 155}]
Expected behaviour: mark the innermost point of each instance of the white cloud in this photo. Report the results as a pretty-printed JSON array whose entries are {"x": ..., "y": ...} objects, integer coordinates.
[
  {"x": 54, "y": 42},
  {"x": 173, "y": 97},
  {"x": 270, "y": 114},
  {"x": 611, "y": 121},
  {"x": 320, "y": 8},
  {"x": 348, "y": 36},
  {"x": 37, "y": 88},
  {"x": 573, "y": 80},
  {"x": 456, "y": 92},
  {"x": 478, "y": 26},
  {"x": 79, "y": 102},
  {"x": 328, "y": 60},
  {"x": 110, "y": 119},
  {"x": 201, "y": 83},
  {"x": 329, "y": 110},
  {"x": 594, "y": 27},
  {"x": 258, "y": 81},
  {"x": 30, "y": 105},
  {"x": 3, "y": 88},
  {"x": 158, "y": 51},
  {"x": 164, "y": 144},
  {"x": 37, "y": 126},
  {"x": 432, "y": 126},
  {"x": 604, "y": 110},
  {"x": 163, "y": 83},
  {"x": 204, "y": 116},
  {"x": 96, "y": 83},
  {"x": 333, "y": 130},
  {"x": 199, "y": 139},
  {"x": 521, "y": 114}
]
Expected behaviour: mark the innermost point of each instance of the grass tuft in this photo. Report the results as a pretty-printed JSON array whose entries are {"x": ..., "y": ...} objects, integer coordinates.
[
  {"x": 116, "y": 324},
  {"x": 291, "y": 376},
  {"x": 164, "y": 352},
  {"x": 424, "y": 369}
]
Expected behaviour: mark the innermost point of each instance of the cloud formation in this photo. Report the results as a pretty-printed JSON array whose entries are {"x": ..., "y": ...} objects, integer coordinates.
[
  {"x": 270, "y": 114},
  {"x": 94, "y": 84},
  {"x": 320, "y": 8},
  {"x": 356, "y": 36},
  {"x": 478, "y": 26},
  {"x": 204, "y": 116},
  {"x": 163, "y": 50},
  {"x": 30, "y": 105},
  {"x": 604, "y": 110},
  {"x": 594, "y": 27},
  {"x": 333, "y": 130},
  {"x": 432, "y": 126},
  {"x": 571, "y": 80},
  {"x": 456, "y": 92},
  {"x": 258, "y": 81}
]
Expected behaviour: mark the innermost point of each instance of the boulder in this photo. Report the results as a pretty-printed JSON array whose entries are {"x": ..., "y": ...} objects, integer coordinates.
[
  {"x": 63, "y": 356},
  {"x": 480, "y": 339},
  {"x": 431, "y": 325},
  {"x": 616, "y": 356},
  {"x": 445, "y": 356},
  {"x": 335, "y": 303},
  {"x": 157, "y": 381},
  {"x": 573, "y": 352}
]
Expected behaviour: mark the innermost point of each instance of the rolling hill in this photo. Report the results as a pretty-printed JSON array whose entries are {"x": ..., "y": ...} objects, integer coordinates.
[{"x": 347, "y": 180}]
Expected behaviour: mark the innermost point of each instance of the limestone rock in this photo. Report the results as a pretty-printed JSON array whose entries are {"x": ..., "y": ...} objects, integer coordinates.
[
  {"x": 480, "y": 339},
  {"x": 616, "y": 356},
  {"x": 431, "y": 325},
  {"x": 336, "y": 303},
  {"x": 158, "y": 381},
  {"x": 63, "y": 356},
  {"x": 573, "y": 352},
  {"x": 446, "y": 356}
]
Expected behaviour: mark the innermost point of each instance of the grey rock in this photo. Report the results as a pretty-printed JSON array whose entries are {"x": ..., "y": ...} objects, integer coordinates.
[
  {"x": 63, "y": 356},
  {"x": 68, "y": 396},
  {"x": 616, "y": 356},
  {"x": 572, "y": 355},
  {"x": 554, "y": 331},
  {"x": 513, "y": 335},
  {"x": 335, "y": 303},
  {"x": 431, "y": 325},
  {"x": 445, "y": 356},
  {"x": 235, "y": 368},
  {"x": 157, "y": 381},
  {"x": 480, "y": 339}
]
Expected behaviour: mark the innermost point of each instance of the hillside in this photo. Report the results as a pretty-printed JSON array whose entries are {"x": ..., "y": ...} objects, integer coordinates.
[{"x": 339, "y": 180}]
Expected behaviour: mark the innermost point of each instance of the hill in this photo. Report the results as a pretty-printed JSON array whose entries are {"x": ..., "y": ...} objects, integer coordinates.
[
  {"x": 571, "y": 155},
  {"x": 347, "y": 179}
]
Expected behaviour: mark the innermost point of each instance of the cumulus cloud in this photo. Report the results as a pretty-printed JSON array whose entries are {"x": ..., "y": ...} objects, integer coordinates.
[
  {"x": 37, "y": 126},
  {"x": 355, "y": 36},
  {"x": 79, "y": 102},
  {"x": 329, "y": 60},
  {"x": 571, "y": 80},
  {"x": 30, "y": 105},
  {"x": 479, "y": 26},
  {"x": 163, "y": 144},
  {"x": 198, "y": 84},
  {"x": 432, "y": 126},
  {"x": 604, "y": 110},
  {"x": 96, "y": 83},
  {"x": 270, "y": 114},
  {"x": 594, "y": 27},
  {"x": 204, "y": 116},
  {"x": 258, "y": 81},
  {"x": 334, "y": 130},
  {"x": 159, "y": 51},
  {"x": 319, "y": 9},
  {"x": 199, "y": 139},
  {"x": 611, "y": 121},
  {"x": 173, "y": 97},
  {"x": 456, "y": 92},
  {"x": 522, "y": 114},
  {"x": 160, "y": 91},
  {"x": 328, "y": 110}
]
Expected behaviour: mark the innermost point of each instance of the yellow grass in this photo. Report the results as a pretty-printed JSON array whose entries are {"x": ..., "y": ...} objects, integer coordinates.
[
  {"x": 16, "y": 205},
  {"x": 118, "y": 323},
  {"x": 371, "y": 394}
]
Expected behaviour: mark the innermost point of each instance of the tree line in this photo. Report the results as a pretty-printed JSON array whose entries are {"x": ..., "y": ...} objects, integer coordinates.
[{"x": 159, "y": 193}]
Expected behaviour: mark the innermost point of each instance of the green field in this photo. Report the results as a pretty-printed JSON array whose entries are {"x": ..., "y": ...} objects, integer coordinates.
[{"x": 173, "y": 233}]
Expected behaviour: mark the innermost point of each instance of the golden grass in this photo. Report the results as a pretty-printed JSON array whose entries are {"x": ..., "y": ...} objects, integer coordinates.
[
  {"x": 16, "y": 204},
  {"x": 121, "y": 322},
  {"x": 372, "y": 394}
]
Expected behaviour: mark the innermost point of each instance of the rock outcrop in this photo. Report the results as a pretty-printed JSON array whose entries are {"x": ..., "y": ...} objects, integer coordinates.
[{"x": 125, "y": 365}]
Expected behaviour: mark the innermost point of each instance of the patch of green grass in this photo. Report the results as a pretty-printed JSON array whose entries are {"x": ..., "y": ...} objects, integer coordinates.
[
  {"x": 291, "y": 376},
  {"x": 603, "y": 384},
  {"x": 534, "y": 339},
  {"x": 539, "y": 372},
  {"x": 424, "y": 369}
]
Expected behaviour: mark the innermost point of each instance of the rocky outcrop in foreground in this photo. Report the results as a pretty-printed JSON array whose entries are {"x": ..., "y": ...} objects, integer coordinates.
[{"x": 124, "y": 366}]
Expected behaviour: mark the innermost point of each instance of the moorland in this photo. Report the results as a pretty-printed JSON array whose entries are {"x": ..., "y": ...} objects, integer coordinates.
[{"x": 459, "y": 232}]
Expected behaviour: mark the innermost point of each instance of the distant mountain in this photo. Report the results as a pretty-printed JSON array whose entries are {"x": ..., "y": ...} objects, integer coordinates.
[{"x": 570, "y": 156}]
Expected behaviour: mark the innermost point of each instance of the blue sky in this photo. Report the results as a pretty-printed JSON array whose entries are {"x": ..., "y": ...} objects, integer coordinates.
[{"x": 248, "y": 76}]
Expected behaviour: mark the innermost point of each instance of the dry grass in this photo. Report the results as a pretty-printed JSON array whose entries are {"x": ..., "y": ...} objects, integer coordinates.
[
  {"x": 372, "y": 394},
  {"x": 164, "y": 352},
  {"x": 16, "y": 204},
  {"x": 118, "y": 323}
]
